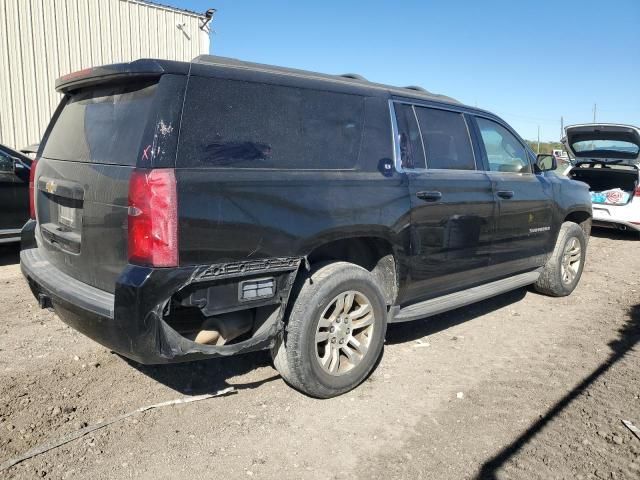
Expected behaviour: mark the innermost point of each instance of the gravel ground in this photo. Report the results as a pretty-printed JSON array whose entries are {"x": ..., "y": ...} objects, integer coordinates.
[{"x": 519, "y": 386}]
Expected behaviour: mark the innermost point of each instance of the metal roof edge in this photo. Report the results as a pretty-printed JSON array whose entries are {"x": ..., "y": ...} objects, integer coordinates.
[
  {"x": 228, "y": 62},
  {"x": 162, "y": 6}
]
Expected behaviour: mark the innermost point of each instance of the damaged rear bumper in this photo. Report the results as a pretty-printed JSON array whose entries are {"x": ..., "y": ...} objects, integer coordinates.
[{"x": 131, "y": 321}]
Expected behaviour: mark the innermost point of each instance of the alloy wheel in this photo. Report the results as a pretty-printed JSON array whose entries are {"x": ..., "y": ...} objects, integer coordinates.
[
  {"x": 571, "y": 259},
  {"x": 344, "y": 332}
]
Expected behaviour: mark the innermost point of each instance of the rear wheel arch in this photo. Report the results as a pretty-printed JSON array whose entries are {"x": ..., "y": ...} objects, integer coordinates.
[{"x": 374, "y": 254}]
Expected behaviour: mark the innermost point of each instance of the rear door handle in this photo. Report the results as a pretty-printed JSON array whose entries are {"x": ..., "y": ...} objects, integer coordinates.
[
  {"x": 505, "y": 193},
  {"x": 429, "y": 196}
]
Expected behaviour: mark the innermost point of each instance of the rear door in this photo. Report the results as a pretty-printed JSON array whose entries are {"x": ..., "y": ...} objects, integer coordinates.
[
  {"x": 452, "y": 205},
  {"x": 97, "y": 137},
  {"x": 524, "y": 198}
]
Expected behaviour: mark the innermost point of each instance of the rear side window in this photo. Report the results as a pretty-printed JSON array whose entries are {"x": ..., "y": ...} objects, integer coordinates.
[
  {"x": 446, "y": 139},
  {"x": 411, "y": 151},
  {"x": 504, "y": 152},
  {"x": 236, "y": 124},
  {"x": 101, "y": 125}
]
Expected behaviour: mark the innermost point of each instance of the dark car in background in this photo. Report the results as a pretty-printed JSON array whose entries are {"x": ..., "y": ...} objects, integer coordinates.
[
  {"x": 14, "y": 193},
  {"x": 185, "y": 211}
]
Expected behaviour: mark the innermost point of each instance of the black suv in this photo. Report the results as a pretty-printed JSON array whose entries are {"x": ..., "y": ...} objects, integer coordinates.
[{"x": 192, "y": 210}]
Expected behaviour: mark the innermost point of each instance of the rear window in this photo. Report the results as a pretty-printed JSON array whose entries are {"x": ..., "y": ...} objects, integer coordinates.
[
  {"x": 236, "y": 124},
  {"x": 605, "y": 146},
  {"x": 101, "y": 125}
]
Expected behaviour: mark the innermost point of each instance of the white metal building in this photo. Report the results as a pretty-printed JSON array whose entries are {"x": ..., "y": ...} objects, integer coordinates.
[{"x": 44, "y": 39}]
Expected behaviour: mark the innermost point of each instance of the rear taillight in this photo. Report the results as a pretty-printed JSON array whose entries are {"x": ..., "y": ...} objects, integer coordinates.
[
  {"x": 637, "y": 193},
  {"x": 32, "y": 189},
  {"x": 153, "y": 218}
]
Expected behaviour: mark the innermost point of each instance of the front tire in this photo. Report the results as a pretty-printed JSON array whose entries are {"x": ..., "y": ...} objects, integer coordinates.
[
  {"x": 335, "y": 331},
  {"x": 563, "y": 269}
]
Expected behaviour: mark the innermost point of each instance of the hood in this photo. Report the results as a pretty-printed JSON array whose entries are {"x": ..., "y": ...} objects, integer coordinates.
[{"x": 604, "y": 142}]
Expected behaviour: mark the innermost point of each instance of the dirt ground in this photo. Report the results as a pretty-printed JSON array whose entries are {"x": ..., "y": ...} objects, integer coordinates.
[{"x": 519, "y": 386}]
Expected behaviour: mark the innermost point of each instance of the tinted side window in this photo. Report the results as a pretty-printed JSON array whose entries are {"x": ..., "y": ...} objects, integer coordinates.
[
  {"x": 411, "y": 151},
  {"x": 230, "y": 123},
  {"x": 504, "y": 152},
  {"x": 6, "y": 163},
  {"x": 446, "y": 139}
]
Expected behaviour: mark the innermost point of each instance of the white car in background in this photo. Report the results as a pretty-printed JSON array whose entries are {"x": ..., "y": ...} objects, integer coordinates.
[
  {"x": 608, "y": 160},
  {"x": 562, "y": 160}
]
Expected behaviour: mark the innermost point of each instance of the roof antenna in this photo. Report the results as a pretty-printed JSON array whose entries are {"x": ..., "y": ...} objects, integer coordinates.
[{"x": 208, "y": 17}]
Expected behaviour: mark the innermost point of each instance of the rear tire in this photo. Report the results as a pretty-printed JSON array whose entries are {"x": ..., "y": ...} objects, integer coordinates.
[
  {"x": 563, "y": 269},
  {"x": 335, "y": 331}
]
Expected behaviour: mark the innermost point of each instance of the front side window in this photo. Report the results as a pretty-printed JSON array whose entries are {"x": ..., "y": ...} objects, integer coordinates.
[
  {"x": 446, "y": 139},
  {"x": 505, "y": 153}
]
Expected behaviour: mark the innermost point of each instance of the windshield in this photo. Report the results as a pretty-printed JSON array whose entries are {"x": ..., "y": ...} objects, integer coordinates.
[{"x": 603, "y": 146}]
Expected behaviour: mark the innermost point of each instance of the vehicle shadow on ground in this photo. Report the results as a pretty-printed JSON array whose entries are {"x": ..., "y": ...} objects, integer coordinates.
[
  {"x": 9, "y": 254},
  {"x": 629, "y": 336},
  {"x": 408, "y": 331},
  {"x": 611, "y": 234},
  {"x": 208, "y": 376}
]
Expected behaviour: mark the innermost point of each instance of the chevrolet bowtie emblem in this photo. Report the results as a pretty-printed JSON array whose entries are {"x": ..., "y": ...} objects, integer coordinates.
[{"x": 51, "y": 187}]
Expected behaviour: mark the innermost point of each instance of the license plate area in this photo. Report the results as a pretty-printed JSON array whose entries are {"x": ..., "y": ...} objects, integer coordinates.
[{"x": 67, "y": 216}]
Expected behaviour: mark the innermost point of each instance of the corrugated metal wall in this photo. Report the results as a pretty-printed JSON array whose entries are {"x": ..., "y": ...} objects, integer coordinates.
[{"x": 44, "y": 39}]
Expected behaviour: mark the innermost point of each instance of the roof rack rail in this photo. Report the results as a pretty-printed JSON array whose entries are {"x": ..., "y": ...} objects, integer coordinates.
[
  {"x": 353, "y": 76},
  {"x": 416, "y": 88}
]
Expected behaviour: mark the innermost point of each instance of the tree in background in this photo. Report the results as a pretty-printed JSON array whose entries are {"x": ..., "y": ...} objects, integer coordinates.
[{"x": 545, "y": 147}]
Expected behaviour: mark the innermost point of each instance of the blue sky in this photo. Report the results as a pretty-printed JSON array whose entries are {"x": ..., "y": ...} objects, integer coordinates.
[{"x": 528, "y": 61}]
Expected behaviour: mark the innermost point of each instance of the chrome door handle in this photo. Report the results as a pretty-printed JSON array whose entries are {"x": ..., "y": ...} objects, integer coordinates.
[
  {"x": 505, "y": 194},
  {"x": 429, "y": 196}
]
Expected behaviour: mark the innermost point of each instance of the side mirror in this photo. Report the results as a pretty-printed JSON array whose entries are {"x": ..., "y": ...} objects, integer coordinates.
[
  {"x": 21, "y": 169},
  {"x": 546, "y": 162}
]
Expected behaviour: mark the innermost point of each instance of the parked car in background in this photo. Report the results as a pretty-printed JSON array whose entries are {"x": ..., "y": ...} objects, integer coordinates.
[
  {"x": 30, "y": 150},
  {"x": 562, "y": 160},
  {"x": 14, "y": 193},
  {"x": 608, "y": 160},
  {"x": 295, "y": 211}
]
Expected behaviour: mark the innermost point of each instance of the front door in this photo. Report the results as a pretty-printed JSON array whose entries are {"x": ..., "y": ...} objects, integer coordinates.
[{"x": 524, "y": 199}]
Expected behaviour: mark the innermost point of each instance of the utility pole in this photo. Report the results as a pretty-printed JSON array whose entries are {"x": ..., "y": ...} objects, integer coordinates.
[
  {"x": 538, "y": 139},
  {"x": 595, "y": 107},
  {"x": 561, "y": 127}
]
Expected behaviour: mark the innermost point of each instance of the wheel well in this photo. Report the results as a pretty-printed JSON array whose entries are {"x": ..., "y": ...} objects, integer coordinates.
[
  {"x": 373, "y": 254},
  {"x": 581, "y": 218}
]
